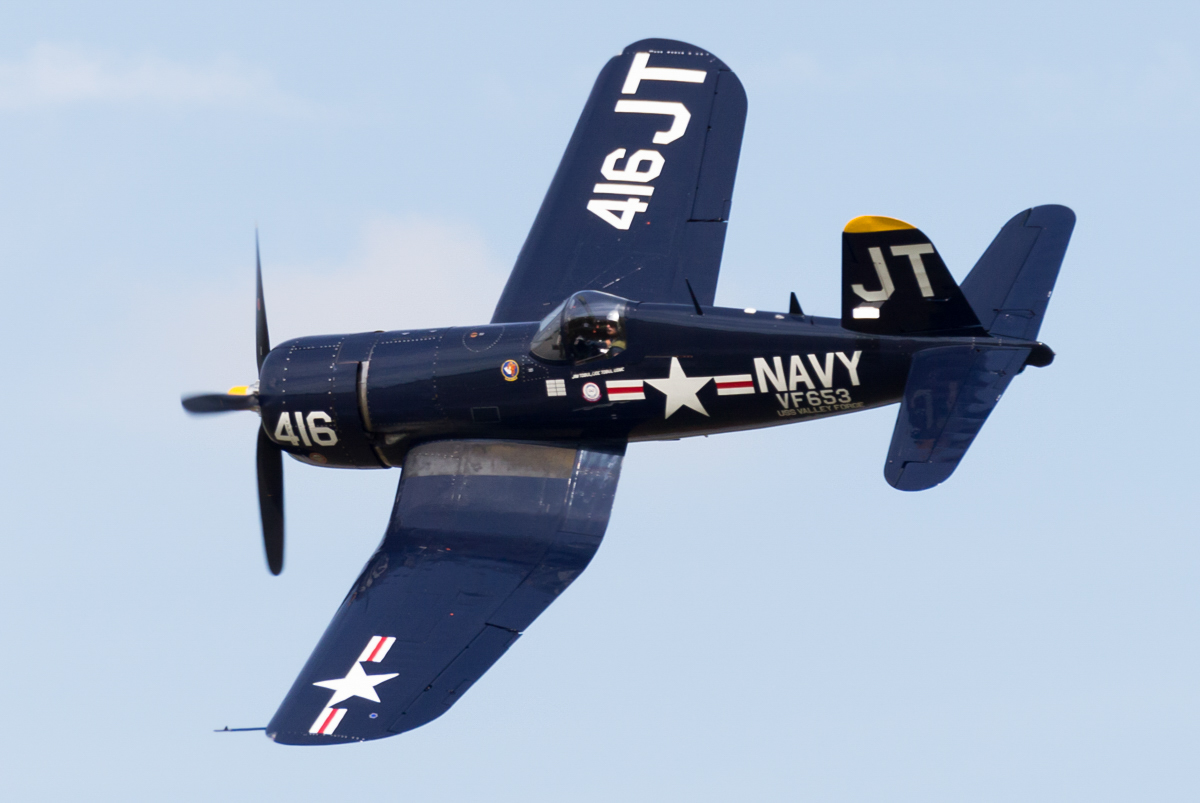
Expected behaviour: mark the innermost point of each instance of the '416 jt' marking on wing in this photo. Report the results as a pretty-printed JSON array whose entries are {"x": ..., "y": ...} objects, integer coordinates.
[{"x": 633, "y": 180}]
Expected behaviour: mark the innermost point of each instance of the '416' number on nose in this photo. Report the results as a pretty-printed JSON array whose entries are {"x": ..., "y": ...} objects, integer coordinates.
[{"x": 307, "y": 429}]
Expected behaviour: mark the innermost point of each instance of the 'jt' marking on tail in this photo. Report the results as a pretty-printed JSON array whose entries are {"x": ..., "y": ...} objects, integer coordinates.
[{"x": 875, "y": 298}]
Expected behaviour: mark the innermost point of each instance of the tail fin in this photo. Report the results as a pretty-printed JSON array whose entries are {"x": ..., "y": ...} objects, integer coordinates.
[
  {"x": 911, "y": 292},
  {"x": 951, "y": 391},
  {"x": 1010, "y": 285}
]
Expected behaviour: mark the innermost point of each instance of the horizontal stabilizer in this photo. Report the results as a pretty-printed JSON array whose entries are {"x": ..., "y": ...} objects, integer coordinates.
[
  {"x": 1010, "y": 285},
  {"x": 951, "y": 391}
]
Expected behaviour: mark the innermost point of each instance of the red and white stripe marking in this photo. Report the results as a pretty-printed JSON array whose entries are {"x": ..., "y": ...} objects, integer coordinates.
[
  {"x": 734, "y": 385},
  {"x": 327, "y": 721},
  {"x": 625, "y": 390},
  {"x": 377, "y": 648}
]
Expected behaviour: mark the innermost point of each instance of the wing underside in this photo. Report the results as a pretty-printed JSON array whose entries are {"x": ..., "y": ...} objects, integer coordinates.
[
  {"x": 484, "y": 535},
  {"x": 638, "y": 205}
]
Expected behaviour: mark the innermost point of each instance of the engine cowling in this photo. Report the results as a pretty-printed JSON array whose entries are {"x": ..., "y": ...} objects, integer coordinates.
[{"x": 310, "y": 400}]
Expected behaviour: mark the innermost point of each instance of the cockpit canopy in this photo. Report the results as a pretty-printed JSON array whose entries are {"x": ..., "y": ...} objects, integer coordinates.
[{"x": 588, "y": 326}]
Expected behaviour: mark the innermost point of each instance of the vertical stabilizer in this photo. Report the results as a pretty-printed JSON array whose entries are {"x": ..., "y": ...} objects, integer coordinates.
[{"x": 895, "y": 283}]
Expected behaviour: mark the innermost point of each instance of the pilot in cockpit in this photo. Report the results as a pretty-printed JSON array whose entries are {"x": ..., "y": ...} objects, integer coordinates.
[
  {"x": 600, "y": 336},
  {"x": 589, "y": 325}
]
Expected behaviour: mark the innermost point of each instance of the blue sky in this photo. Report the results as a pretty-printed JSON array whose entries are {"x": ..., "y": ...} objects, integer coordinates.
[{"x": 767, "y": 619}]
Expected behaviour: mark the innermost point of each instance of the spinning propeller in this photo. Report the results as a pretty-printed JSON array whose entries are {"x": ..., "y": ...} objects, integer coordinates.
[{"x": 270, "y": 456}]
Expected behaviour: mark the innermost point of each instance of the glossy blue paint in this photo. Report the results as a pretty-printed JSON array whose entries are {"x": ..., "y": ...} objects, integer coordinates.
[
  {"x": 1011, "y": 284},
  {"x": 423, "y": 386},
  {"x": 511, "y": 434},
  {"x": 483, "y": 537},
  {"x": 681, "y": 233},
  {"x": 950, "y": 392}
]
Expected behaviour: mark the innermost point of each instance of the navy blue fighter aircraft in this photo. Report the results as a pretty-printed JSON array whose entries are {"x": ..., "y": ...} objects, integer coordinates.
[{"x": 510, "y": 435}]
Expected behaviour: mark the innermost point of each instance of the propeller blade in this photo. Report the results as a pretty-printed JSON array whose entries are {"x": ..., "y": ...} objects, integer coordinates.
[
  {"x": 262, "y": 338},
  {"x": 201, "y": 403},
  {"x": 270, "y": 499}
]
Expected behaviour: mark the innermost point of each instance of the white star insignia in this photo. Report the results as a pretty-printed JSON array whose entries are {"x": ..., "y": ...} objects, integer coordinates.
[
  {"x": 680, "y": 389},
  {"x": 357, "y": 683}
]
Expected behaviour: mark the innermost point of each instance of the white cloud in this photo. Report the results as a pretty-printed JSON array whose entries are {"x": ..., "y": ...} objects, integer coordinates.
[
  {"x": 52, "y": 75},
  {"x": 1141, "y": 87},
  {"x": 404, "y": 273}
]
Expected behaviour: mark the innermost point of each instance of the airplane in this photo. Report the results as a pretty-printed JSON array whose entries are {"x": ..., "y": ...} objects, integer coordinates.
[{"x": 510, "y": 435}]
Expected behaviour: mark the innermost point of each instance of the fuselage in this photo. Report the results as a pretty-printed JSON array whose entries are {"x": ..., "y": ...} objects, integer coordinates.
[{"x": 364, "y": 400}]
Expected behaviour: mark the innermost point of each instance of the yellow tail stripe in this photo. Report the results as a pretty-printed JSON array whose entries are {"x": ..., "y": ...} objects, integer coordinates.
[{"x": 868, "y": 223}]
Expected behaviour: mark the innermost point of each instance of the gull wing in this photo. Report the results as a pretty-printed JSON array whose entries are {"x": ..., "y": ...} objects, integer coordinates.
[
  {"x": 639, "y": 203},
  {"x": 484, "y": 535}
]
